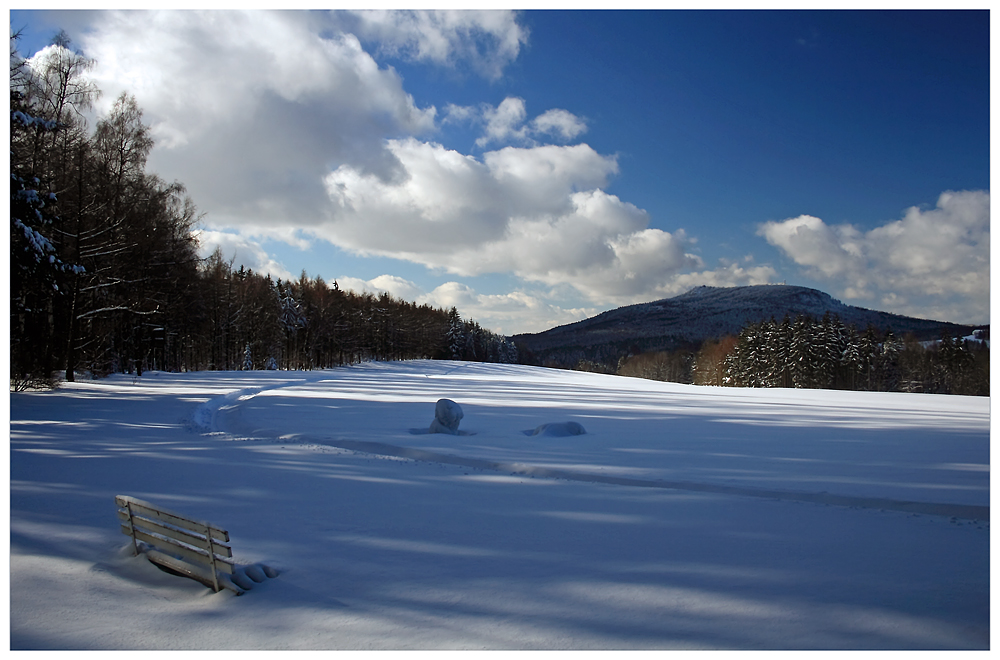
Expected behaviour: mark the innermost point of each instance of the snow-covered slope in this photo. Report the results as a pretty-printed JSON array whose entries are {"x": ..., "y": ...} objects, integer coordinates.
[{"x": 685, "y": 517}]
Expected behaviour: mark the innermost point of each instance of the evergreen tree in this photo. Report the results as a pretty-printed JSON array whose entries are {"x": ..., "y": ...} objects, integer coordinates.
[
  {"x": 851, "y": 360},
  {"x": 456, "y": 335},
  {"x": 801, "y": 352},
  {"x": 292, "y": 320},
  {"x": 887, "y": 375},
  {"x": 869, "y": 348},
  {"x": 783, "y": 354}
]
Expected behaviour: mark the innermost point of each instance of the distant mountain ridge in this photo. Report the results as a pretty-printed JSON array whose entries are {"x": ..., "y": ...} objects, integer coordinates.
[{"x": 706, "y": 312}]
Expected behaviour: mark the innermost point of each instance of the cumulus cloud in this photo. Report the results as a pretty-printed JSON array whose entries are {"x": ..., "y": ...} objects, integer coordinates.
[
  {"x": 931, "y": 261},
  {"x": 559, "y": 123},
  {"x": 537, "y": 212},
  {"x": 506, "y": 123},
  {"x": 485, "y": 40},
  {"x": 250, "y": 108},
  {"x": 442, "y": 200}
]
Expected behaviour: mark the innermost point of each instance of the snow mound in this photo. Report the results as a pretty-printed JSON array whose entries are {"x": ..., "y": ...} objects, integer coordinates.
[
  {"x": 558, "y": 429},
  {"x": 206, "y": 416},
  {"x": 447, "y": 416},
  {"x": 245, "y": 577}
]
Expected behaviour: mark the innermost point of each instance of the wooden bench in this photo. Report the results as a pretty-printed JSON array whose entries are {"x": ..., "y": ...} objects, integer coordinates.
[{"x": 193, "y": 548}]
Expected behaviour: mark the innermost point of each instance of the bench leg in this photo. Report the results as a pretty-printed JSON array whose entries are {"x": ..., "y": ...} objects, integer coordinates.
[
  {"x": 131, "y": 526},
  {"x": 211, "y": 554}
]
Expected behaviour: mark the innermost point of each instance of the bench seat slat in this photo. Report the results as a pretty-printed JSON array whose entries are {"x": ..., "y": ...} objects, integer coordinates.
[
  {"x": 197, "y": 540},
  {"x": 188, "y": 553},
  {"x": 149, "y": 510},
  {"x": 191, "y": 571}
]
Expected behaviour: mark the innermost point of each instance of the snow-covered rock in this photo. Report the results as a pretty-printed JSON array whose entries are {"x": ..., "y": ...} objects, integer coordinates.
[{"x": 447, "y": 415}]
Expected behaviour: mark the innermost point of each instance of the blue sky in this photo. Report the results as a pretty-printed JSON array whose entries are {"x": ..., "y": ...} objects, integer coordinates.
[{"x": 535, "y": 168}]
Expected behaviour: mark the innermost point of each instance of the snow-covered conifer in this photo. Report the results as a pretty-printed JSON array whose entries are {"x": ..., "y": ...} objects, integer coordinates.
[{"x": 456, "y": 335}]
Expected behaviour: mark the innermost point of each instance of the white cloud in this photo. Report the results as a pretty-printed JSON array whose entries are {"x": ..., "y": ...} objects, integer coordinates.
[
  {"x": 440, "y": 200},
  {"x": 599, "y": 245},
  {"x": 457, "y": 114},
  {"x": 536, "y": 212},
  {"x": 506, "y": 313},
  {"x": 250, "y": 108},
  {"x": 542, "y": 179},
  {"x": 930, "y": 262},
  {"x": 485, "y": 40},
  {"x": 443, "y": 201},
  {"x": 506, "y": 123},
  {"x": 397, "y": 287},
  {"x": 560, "y": 123},
  {"x": 242, "y": 251},
  {"x": 731, "y": 274},
  {"x": 832, "y": 251}
]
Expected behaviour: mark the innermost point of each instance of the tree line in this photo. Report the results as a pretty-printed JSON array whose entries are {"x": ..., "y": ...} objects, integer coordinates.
[
  {"x": 824, "y": 353},
  {"x": 249, "y": 321},
  {"x": 105, "y": 272}
]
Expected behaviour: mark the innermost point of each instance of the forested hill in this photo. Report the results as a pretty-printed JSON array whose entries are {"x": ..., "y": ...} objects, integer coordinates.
[{"x": 687, "y": 320}]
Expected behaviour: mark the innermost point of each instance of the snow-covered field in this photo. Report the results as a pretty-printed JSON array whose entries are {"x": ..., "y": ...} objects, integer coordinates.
[{"x": 686, "y": 517}]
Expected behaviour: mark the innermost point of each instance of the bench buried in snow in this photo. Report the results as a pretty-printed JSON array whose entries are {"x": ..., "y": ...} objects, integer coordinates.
[
  {"x": 558, "y": 429},
  {"x": 447, "y": 415}
]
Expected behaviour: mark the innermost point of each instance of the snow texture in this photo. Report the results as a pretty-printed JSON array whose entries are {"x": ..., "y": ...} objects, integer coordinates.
[{"x": 685, "y": 518}]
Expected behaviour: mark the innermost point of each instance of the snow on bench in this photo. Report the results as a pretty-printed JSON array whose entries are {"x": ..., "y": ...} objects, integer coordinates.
[{"x": 193, "y": 548}]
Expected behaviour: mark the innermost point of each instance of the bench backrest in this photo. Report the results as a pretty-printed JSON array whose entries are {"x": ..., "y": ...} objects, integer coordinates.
[{"x": 195, "y": 548}]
